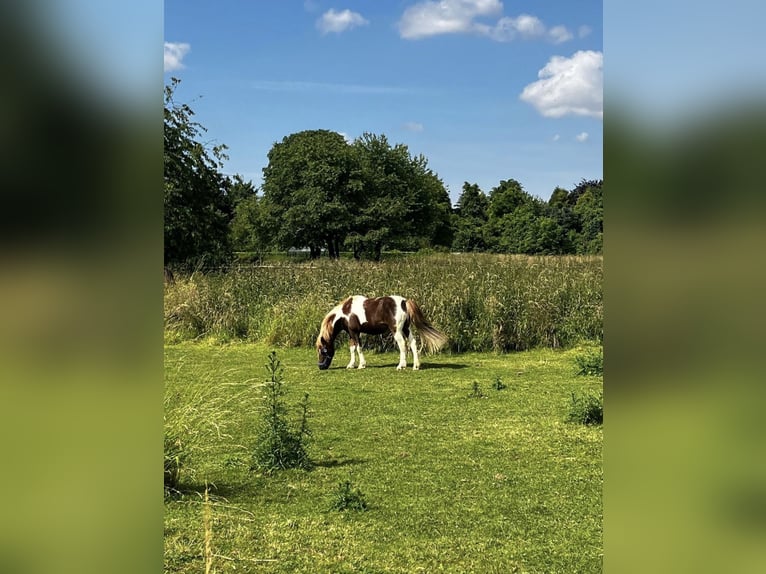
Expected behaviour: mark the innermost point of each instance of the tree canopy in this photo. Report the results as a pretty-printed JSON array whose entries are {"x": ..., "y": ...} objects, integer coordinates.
[
  {"x": 197, "y": 209},
  {"x": 323, "y": 193}
]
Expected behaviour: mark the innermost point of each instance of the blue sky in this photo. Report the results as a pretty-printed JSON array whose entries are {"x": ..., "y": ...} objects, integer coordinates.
[{"x": 486, "y": 90}]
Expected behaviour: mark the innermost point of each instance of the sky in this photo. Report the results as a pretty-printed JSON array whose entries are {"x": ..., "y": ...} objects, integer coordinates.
[{"x": 485, "y": 90}]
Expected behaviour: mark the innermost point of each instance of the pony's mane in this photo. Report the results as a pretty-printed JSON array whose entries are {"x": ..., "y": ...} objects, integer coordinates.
[{"x": 325, "y": 331}]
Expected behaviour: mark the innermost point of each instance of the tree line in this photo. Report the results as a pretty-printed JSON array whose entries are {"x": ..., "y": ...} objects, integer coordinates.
[{"x": 327, "y": 195}]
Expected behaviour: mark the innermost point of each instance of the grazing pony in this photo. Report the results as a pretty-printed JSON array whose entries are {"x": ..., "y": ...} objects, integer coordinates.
[{"x": 359, "y": 314}]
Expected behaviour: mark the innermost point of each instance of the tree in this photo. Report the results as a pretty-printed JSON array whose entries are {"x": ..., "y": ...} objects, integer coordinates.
[
  {"x": 310, "y": 189},
  {"x": 197, "y": 208},
  {"x": 402, "y": 203},
  {"x": 239, "y": 190},
  {"x": 252, "y": 227},
  {"x": 506, "y": 197},
  {"x": 471, "y": 217},
  {"x": 590, "y": 211}
]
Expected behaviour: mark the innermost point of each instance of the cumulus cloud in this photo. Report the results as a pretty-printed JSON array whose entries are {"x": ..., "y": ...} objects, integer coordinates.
[
  {"x": 569, "y": 86},
  {"x": 582, "y": 136},
  {"x": 431, "y": 18},
  {"x": 445, "y": 17},
  {"x": 556, "y": 138},
  {"x": 337, "y": 22},
  {"x": 174, "y": 55}
]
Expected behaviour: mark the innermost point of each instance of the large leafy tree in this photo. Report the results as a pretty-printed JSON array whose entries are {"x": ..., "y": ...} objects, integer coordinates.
[
  {"x": 521, "y": 223},
  {"x": 310, "y": 188},
  {"x": 197, "y": 207},
  {"x": 590, "y": 211},
  {"x": 403, "y": 203},
  {"x": 470, "y": 219}
]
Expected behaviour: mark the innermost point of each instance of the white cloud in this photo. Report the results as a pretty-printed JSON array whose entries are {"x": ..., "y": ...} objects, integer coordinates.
[
  {"x": 445, "y": 17},
  {"x": 174, "y": 54},
  {"x": 583, "y": 31},
  {"x": 332, "y": 21},
  {"x": 569, "y": 86},
  {"x": 556, "y": 138},
  {"x": 559, "y": 34},
  {"x": 582, "y": 136},
  {"x": 431, "y": 18},
  {"x": 413, "y": 126}
]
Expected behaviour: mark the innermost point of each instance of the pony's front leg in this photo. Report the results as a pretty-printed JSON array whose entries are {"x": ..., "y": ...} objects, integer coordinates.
[{"x": 399, "y": 338}]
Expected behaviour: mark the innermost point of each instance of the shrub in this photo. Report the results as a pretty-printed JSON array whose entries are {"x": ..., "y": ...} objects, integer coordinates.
[
  {"x": 476, "y": 392},
  {"x": 591, "y": 363},
  {"x": 498, "y": 384},
  {"x": 348, "y": 497},
  {"x": 587, "y": 409},
  {"x": 278, "y": 446}
]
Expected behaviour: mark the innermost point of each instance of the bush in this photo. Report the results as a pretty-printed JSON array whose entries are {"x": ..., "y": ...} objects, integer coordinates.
[
  {"x": 587, "y": 409},
  {"x": 278, "y": 447},
  {"x": 348, "y": 497},
  {"x": 591, "y": 363}
]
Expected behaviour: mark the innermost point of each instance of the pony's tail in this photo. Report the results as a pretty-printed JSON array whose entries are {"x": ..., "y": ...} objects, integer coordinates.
[{"x": 433, "y": 339}]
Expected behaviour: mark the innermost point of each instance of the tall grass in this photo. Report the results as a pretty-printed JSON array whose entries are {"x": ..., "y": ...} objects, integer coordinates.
[{"x": 482, "y": 302}]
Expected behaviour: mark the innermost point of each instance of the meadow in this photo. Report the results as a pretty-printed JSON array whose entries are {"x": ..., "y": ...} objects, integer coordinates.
[
  {"x": 484, "y": 302},
  {"x": 472, "y": 464}
]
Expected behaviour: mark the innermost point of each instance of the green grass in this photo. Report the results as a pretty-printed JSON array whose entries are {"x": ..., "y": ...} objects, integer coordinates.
[
  {"x": 482, "y": 302},
  {"x": 452, "y": 483}
]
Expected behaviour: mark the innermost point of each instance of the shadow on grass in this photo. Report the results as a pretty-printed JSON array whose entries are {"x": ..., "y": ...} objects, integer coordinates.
[
  {"x": 196, "y": 490},
  {"x": 393, "y": 365},
  {"x": 423, "y": 366},
  {"x": 334, "y": 462}
]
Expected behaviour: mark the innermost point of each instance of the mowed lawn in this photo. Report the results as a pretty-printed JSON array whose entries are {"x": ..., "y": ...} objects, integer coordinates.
[{"x": 455, "y": 480}]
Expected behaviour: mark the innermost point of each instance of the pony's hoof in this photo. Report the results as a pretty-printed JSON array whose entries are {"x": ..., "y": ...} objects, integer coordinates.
[
  {"x": 401, "y": 367},
  {"x": 415, "y": 367},
  {"x": 362, "y": 366}
]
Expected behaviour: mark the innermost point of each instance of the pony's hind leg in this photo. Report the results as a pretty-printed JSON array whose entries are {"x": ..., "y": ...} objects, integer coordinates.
[
  {"x": 414, "y": 349},
  {"x": 362, "y": 361},
  {"x": 399, "y": 338}
]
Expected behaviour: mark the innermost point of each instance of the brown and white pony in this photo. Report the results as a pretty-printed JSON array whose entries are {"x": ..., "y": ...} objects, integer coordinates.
[{"x": 359, "y": 314}]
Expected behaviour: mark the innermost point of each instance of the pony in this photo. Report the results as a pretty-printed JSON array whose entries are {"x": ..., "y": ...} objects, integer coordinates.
[{"x": 375, "y": 316}]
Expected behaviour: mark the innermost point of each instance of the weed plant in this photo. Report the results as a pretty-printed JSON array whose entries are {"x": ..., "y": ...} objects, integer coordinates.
[
  {"x": 591, "y": 363},
  {"x": 587, "y": 409},
  {"x": 278, "y": 446},
  {"x": 348, "y": 497}
]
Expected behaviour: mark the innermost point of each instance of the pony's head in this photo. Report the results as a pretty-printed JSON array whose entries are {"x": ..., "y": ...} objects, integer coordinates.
[{"x": 325, "y": 344}]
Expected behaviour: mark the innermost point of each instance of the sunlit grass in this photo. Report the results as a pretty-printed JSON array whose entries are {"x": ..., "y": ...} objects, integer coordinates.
[
  {"x": 451, "y": 483},
  {"x": 482, "y": 302}
]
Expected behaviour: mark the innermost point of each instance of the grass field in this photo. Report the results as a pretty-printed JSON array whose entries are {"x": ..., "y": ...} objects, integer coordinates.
[
  {"x": 458, "y": 476},
  {"x": 483, "y": 302}
]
